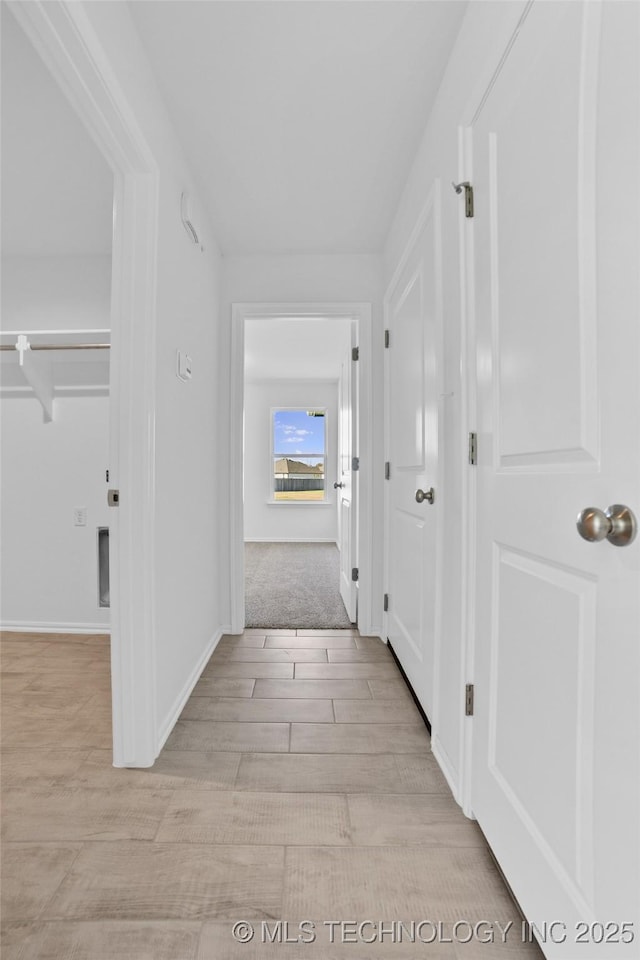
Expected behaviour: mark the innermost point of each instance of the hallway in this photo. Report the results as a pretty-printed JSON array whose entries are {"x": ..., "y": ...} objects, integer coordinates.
[{"x": 297, "y": 785}]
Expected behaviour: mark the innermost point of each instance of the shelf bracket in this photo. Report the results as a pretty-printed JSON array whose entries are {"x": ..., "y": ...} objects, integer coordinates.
[{"x": 37, "y": 372}]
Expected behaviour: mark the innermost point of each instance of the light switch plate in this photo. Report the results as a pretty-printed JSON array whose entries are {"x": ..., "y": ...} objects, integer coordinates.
[{"x": 79, "y": 516}]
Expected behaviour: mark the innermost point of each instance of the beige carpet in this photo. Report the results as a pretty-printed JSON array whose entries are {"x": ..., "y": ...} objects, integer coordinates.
[{"x": 293, "y": 586}]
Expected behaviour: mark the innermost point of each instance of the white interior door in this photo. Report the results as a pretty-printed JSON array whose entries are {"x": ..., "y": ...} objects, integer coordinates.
[
  {"x": 555, "y": 782},
  {"x": 412, "y": 576},
  {"x": 346, "y": 489}
]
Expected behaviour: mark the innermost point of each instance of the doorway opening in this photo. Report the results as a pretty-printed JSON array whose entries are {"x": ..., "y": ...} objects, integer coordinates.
[
  {"x": 293, "y": 425},
  {"x": 299, "y": 534},
  {"x": 57, "y": 277},
  {"x": 65, "y": 43}
]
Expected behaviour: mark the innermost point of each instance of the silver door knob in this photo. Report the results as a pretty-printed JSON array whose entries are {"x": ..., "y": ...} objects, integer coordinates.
[
  {"x": 337, "y": 486},
  {"x": 428, "y": 495},
  {"x": 617, "y": 524}
]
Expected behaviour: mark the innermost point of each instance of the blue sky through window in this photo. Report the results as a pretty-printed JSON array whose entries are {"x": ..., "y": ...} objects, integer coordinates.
[{"x": 295, "y": 433}]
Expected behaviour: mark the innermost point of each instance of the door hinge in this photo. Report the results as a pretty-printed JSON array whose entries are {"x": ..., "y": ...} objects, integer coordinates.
[
  {"x": 387, "y": 338},
  {"x": 355, "y": 463},
  {"x": 468, "y": 196},
  {"x": 106, "y": 476},
  {"x": 387, "y": 471},
  {"x": 355, "y": 353},
  {"x": 468, "y": 700},
  {"x": 473, "y": 449},
  {"x": 113, "y": 498},
  {"x": 386, "y": 602},
  {"x": 354, "y": 574}
]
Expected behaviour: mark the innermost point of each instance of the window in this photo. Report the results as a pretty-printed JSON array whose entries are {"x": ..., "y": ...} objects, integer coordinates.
[{"x": 299, "y": 455}]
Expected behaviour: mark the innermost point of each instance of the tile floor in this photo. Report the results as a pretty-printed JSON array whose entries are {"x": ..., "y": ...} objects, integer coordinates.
[{"x": 298, "y": 785}]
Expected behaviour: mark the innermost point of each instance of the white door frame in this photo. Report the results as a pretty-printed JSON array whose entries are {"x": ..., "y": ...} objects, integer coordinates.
[
  {"x": 432, "y": 203},
  {"x": 468, "y": 484},
  {"x": 348, "y": 526},
  {"x": 270, "y": 311},
  {"x": 493, "y": 60},
  {"x": 66, "y": 41},
  {"x": 496, "y": 57}
]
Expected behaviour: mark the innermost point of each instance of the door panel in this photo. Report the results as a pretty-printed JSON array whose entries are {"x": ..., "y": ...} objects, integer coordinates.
[
  {"x": 408, "y": 563},
  {"x": 414, "y": 323},
  {"x": 558, "y": 619},
  {"x": 407, "y": 372},
  {"x": 551, "y": 612},
  {"x": 544, "y": 365}
]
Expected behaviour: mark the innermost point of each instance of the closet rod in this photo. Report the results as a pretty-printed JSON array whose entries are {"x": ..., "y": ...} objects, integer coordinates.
[
  {"x": 53, "y": 333},
  {"x": 59, "y": 346}
]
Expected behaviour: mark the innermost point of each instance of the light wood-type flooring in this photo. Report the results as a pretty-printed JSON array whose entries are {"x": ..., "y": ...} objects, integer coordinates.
[{"x": 298, "y": 785}]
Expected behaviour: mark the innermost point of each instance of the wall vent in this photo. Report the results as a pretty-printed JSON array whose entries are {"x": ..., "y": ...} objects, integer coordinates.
[{"x": 104, "y": 599}]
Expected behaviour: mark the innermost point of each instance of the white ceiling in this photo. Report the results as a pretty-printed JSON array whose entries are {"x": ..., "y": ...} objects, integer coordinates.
[
  {"x": 57, "y": 190},
  {"x": 306, "y": 349},
  {"x": 300, "y": 119}
]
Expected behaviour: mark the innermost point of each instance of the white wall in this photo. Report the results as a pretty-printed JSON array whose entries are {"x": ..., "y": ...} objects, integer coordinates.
[
  {"x": 286, "y": 521},
  {"x": 49, "y": 567},
  {"x": 62, "y": 292},
  {"x": 49, "y": 571},
  {"x": 484, "y": 33},
  {"x": 308, "y": 279}
]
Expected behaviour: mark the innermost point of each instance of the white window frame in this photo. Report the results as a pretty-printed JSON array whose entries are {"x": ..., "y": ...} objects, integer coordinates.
[{"x": 271, "y": 499}]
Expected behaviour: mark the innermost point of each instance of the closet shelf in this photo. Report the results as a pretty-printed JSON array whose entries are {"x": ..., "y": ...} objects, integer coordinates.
[{"x": 46, "y": 374}]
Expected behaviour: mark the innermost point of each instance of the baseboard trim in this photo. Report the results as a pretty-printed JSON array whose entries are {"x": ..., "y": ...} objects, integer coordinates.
[
  {"x": 23, "y": 626},
  {"x": 427, "y": 722},
  {"x": 290, "y": 540},
  {"x": 180, "y": 701},
  {"x": 445, "y": 765},
  {"x": 438, "y": 752}
]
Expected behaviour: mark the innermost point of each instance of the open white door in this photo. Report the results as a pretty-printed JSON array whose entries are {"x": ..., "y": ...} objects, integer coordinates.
[
  {"x": 414, "y": 497},
  {"x": 346, "y": 485},
  {"x": 556, "y": 778}
]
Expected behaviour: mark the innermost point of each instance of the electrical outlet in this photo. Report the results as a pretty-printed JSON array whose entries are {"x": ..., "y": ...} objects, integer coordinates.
[{"x": 79, "y": 516}]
